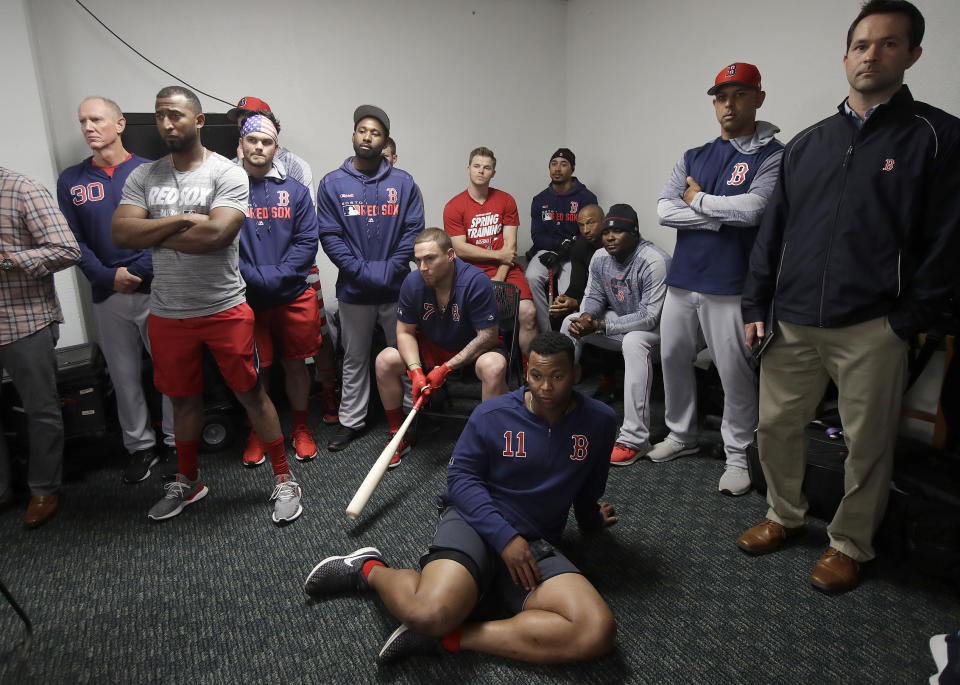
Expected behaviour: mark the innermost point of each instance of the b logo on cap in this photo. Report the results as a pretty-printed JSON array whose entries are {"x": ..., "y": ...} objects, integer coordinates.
[
  {"x": 732, "y": 70},
  {"x": 242, "y": 103}
]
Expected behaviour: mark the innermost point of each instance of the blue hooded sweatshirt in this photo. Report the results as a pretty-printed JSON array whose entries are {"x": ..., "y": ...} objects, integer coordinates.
[
  {"x": 367, "y": 228},
  {"x": 553, "y": 216},
  {"x": 278, "y": 241}
]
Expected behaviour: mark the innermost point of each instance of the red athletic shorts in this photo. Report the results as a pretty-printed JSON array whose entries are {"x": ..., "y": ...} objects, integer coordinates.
[
  {"x": 177, "y": 349},
  {"x": 315, "y": 273},
  {"x": 432, "y": 355},
  {"x": 514, "y": 275},
  {"x": 295, "y": 326}
]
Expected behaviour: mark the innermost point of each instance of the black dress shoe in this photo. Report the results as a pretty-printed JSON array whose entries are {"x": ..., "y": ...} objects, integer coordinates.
[{"x": 341, "y": 438}]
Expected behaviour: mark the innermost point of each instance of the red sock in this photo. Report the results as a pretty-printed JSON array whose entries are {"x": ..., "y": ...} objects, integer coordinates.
[
  {"x": 299, "y": 418},
  {"x": 369, "y": 565},
  {"x": 395, "y": 418},
  {"x": 187, "y": 458},
  {"x": 451, "y": 641},
  {"x": 277, "y": 452}
]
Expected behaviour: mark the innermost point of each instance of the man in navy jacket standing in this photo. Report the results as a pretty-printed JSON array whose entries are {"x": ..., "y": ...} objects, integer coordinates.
[
  {"x": 856, "y": 252},
  {"x": 88, "y": 194},
  {"x": 370, "y": 212},
  {"x": 278, "y": 245}
]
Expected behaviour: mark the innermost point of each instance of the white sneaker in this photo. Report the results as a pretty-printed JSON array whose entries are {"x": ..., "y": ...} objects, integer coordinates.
[
  {"x": 671, "y": 449},
  {"x": 735, "y": 481}
]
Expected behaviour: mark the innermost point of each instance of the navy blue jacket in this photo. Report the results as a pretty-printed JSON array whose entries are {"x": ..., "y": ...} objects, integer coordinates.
[
  {"x": 553, "y": 216},
  {"x": 511, "y": 473},
  {"x": 863, "y": 222},
  {"x": 278, "y": 241}
]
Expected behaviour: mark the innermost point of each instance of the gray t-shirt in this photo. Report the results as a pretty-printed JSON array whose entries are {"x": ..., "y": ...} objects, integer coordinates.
[{"x": 190, "y": 285}]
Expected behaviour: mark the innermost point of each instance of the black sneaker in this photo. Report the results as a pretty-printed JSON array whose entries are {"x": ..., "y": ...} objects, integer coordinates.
[
  {"x": 169, "y": 465},
  {"x": 138, "y": 468},
  {"x": 342, "y": 437},
  {"x": 340, "y": 574},
  {"x": 404, "y": 642}
]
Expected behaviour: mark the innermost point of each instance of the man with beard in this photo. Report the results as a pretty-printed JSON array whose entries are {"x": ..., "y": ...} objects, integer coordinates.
[
  {"x": 445, "y": 306},
  {"x": 590, "y": 223},
  {"x": 89, "y": 193},
  {"x": 189, "y": 207},
  {"x": 522, "y": 461},
  {"x": 621, "y": 311},
  {"x": 370, "y": 212},
  {"x": 278, "y": 245},
  {"x": 553, "y": 226},
  {"x": 294, "y": 166}
]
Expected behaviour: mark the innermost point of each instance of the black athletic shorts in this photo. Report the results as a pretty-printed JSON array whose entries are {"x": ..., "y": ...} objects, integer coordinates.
[{"x": 455, "y": 539}]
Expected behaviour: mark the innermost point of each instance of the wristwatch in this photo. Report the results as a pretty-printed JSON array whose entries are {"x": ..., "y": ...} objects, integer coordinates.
[{"x": 6, "y": 263}]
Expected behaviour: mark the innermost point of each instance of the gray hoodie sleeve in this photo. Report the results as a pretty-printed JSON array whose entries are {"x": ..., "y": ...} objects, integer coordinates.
[
  {"x": 745, "y": 209},
  {"x": 643, "y": 314},
  {"x": 673, "y": 211}
]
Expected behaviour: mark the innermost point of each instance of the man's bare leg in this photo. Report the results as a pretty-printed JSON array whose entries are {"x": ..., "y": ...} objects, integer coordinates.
[
  {"x": 563, "y": 620},
  {"x": 491, "y": 369},
  {"x": 434, "y": 602},
  {"x": 389, "y": 367}
]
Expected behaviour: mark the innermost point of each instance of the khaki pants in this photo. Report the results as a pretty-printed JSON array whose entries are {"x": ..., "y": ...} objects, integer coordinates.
[{"x": 868, "y": 363}]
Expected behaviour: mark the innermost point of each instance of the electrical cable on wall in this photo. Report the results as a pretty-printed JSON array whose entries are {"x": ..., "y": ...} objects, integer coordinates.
[{"x": 148, "y": 60}]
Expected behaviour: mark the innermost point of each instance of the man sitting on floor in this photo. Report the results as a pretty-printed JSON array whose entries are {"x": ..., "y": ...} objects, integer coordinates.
[
  {"x": 445, "y": 305},
  {"x": 521, "y": 462},
  {"x": 621, "y": 311}
]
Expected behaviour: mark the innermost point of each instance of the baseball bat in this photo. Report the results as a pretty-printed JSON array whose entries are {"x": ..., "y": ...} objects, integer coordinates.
[
  {"x": 550, "y": 287},
  {"x": 379, "y": 467}
]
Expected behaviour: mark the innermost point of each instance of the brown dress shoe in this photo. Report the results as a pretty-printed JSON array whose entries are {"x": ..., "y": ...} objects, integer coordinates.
[
  {"x": 765, "y": 537},
  {"x": 835, "y": 572},
  {"x": 41, "y": 508}
]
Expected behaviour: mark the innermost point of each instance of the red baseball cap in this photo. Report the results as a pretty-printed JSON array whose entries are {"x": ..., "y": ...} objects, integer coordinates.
[
  {"x": 738, "y": 72},
  {"x": 248, "y": 103}
]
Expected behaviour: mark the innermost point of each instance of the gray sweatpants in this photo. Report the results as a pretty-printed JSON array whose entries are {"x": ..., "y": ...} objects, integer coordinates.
[
  {"x": 686, "y": 315},
  {"x": 32, "y": 366},
  {"x": 122, "y": 323},
  {"x": 639, "y": 349},
  {"x": 357, "y": 322},
  {"x": 537, "y": 277}
]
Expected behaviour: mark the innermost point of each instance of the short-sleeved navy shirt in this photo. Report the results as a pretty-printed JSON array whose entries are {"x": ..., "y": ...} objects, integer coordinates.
[{"x": 472, "y": 307}]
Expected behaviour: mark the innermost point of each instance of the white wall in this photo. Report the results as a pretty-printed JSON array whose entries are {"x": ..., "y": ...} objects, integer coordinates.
[
  {"x": 27, "y": 148},
  {"x": 639, "y": 74}
]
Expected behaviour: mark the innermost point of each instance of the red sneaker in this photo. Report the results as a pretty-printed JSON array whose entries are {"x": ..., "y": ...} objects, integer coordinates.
[
  {"x": 253, "y": 455},
  {"x": 303, "y": 444},
  {"x": 402, "y": 450},
  {"x": 623, "y": 455}
]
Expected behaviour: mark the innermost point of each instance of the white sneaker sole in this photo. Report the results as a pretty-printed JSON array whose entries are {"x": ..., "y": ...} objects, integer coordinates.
[
  {"x": 295, "y": 516},
  {"x": 673, "y": 455},
  {"x": 196, "y": 498},
  {"x": 393, "y": 636},
  {"x": 254, "y": 464}
]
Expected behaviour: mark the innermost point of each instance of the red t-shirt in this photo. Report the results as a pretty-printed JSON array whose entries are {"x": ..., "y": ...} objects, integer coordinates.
[{"x": 482, "y": 224}]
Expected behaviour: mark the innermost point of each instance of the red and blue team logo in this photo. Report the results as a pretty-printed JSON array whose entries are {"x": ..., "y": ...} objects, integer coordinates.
[
  {"x": 739, "y": 174},
  {"x": 283, "y": 198},
  {"x": 580, "y": 445},
  {"x": 392, "y": 196},
  {"x": 455, "y": 312},
  {"x": 242, "y": 104},
  {"x": 574, "y": 207},
  {"x": 731, "y": 70},
  {"x": 888, "y": 165}
]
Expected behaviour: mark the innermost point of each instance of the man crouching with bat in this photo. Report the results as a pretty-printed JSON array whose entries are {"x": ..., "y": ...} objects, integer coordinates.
[
  {"x": 522, "y": 460},
  {"x": 444, "y": 306}
]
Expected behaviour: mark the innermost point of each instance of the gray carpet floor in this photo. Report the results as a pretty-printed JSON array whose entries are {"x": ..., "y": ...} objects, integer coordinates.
[{"x": 215, "y": 595}]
